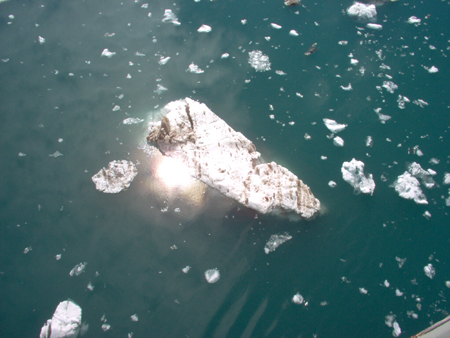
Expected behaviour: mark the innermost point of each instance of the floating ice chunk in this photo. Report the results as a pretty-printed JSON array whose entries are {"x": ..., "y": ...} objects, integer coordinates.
[
  {"x": 343, "y": 42},
  {"x": 332, "y": 184},
  {"x": 333, "y": 126},
  {"x": 416, "y": 170},
  {"x": 398, "y": 293},
  {"x": 353, "y": 173},
  {"x": 274, "y": 25},
  {"x": 354, "y": 62},
  {"x": 90, "y": 286},
  {"x": 163, "y": 60},
  {"x": 408, "y": 187},
  {"x": 421, "y": 103},
  {"x": 78, "y": 269},
  {"x": 307, "y": 136},
  {"x": 280, "y": 72},
  {"x": 386, "y": 283},
  {"x": 414, "y": 20},
  {"x": 432, "y": 69},
  {"x": 160, "y": 89},
  {"x": 56, "y": 154},
  {"x": 427, "y": 214},
  {"x": 338, "y": 141},
  {"x": 105, "y": 327},
  {"x": 107, "y": 53},
  {"x": 397, "y": 331},
  {"x": 193, "y": 68},
  {"x": 298, "y": 299},
  {"x": 204, "y": 29},
  {"x": 275, "y": 241},
  {"x": 447, "y": 284},
  {"x": 374, "y": 26},
  {"x": 212, "y": 276},
  {"x": 293, "y": 32},
  {"x": 186, "y": 269},
  {"x": 446, "y": 179},
  {"x": 244, "y": 21},
  {"x": 132, "y": 120},
  {"x": 41, "y": 40},
  {"x": 369, "y": 141},
  {"x": 390, "y": 86},
  {"x": 362, "y": 12},
  {"x": 383, "y": 118},
  {"x": 116, "y": 177},
  {"x": 429, "y": 270},
  {"x": 401, "y": 101},
  {"x": 65, "y": 323},
  {"x": 134, "y": 317},
  {"x": 116, "y": 108},
  {"x": 349, "y": 87},
  {"x": 259, "y": 61},
  {"x": 169, "y": 16},
  {"x": 21, "y": 154},
  {"x": 389, "y": 320},
  {"x": 363, "y": 291}
]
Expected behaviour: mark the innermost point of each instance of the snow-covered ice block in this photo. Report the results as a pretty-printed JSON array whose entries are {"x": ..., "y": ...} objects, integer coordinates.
[
  {"x": 204, "y": 29},
  {"x": 259, "y": 61},
  {"x": 65, "y": 323},
  {"x": 333, "y": 126},
  {"x": 212, "y": 276},
  {"x": 116, "y": 177},
  {"x": 353, "y": 173},
  {"x": 408, "y": 187},
  {"x": 275, "y": 241},
  {"x": 338, "y": 141},
  {"x": 169, "y": 16},
  {"x": 363, "y": 12}
]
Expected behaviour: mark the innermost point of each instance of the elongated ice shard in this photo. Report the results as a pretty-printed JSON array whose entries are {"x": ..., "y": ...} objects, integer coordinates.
[{"x": 227, "y": 161}]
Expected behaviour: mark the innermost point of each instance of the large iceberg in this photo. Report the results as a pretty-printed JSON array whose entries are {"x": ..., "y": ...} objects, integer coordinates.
[
  {"x": 116, "y": 177},
  {"x": 65, "y": 323},
  {"x": 227, "y": 161},
  {"x": 353, "y": 173},
  {"x": 363, "y": 12}
]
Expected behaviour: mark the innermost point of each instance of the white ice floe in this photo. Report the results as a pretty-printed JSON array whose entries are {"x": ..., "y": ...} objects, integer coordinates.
[
  {"x": 78, "y": 269},
  {"x": 383, "y": 118},
  {"x": 212, "y": 276},
  {"x": 429, "y": 270},
  {"x": 333, "y": 126},
  {"x": 363, "y": 12},
  {"x": 397, "y": 331},
  {"x": 225, "y": 56},
  {"x": 108, "y": 53},
  {"x": 349, "y": 87},
  {"x": 293, "y": 32},
  {"x": 425, "y": 175},
  {"x": 193, "y": 68},
  {"x": 169, "y": 16},
  {"x": 421, "y": 103},
  {"x": 338, "y": 141},
  {"x": 354, "y": 62},
  {"x": 374, "y": 26},
  {"x": 332, "y": 184},
  {"x": 259, "y": 61},
  {"x": 41, "y": 40},
  {"x": 427, "y": 214},
  {"x": 408, "y": 187},
  {"x": 363, "y": 291},
  {"x": 401, "y": 101},
  {"x": 298, "y": 299},
  {"x": 116, "y": 177},
  {"x": 353, "y": 173},
  {"x": 369, "y": 141},
  {"x": 414, "y": 20},
  {"x": 431, "y": 69},
  {"x": 274, "y": 25},
  {"x": 389, "y": 86},
  {"x": 186, "y": 269},
  {"x": 56, "y": 154},
  {"x": 204, "y": 29},
  {"x": 446, "y": 180},
  {"x": 275, "y": 241},
  {"x": 134, "y": 317},
  {"x": 343, "y": 42},
  {"x": 65, "y": 323},
  {"x": 163, "y": 60},
  {"x": 280, "y": 72},
  {"x": 132, "y": 120},
  {"x": 160, "y": 89}
]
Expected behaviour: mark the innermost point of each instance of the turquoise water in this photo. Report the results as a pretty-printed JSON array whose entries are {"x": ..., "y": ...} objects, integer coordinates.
[{"x": 60, "y": 95}]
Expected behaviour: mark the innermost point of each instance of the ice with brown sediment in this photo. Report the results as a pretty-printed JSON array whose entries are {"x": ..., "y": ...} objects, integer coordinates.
[{"x": 226, "y": 160}]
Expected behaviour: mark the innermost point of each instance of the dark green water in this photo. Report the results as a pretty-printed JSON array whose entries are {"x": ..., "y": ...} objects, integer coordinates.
[{"x": 64, "y": 89}]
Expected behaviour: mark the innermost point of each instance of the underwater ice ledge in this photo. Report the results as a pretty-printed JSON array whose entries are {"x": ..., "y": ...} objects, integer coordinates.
[{"x": 227, "y": 161}]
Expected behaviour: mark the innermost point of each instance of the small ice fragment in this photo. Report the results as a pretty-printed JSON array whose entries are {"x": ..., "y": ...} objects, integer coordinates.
[
  {"x": 116, "y": 108},
  {"x": 362, "y": 11},
  {"x": 338, "y": 141},
  {"x": 280, "y": 72},
  {"x": 416, "y": 170},
  {"x": 163, "y": 60},
  {"x": 343, "y": 42},
  {"x": 65, "y": 322},
  {"x": 397, "y": 331},
  {"x": 259, "y": 61},
  {"x": 169, "y": 16},
  {"x": 60, "y": 140},
  {"x": 374, "y": 26},
  {"x": 293, "y": 32},
  {"x": 78, "y": 269},
  {"x": 401, "y": 101},
  {"x": 427, "y": 214},
  {"x": 354, "y": 62},
  {"x": 186, "y": 269},
  {"x": 212, "y": 276},
  {"x": 353, "y": 173},
  {"x": 193, "y": 68},
  {"x": 225, "y": 56},
  {"x": 421, "y": 103},
  {"x": 274, "y": 25},
  {"x": 177, "y": 210},
  {"x": 386, "y": 283},
  {"x": 307, "y": 136},
  {"x": 363, "y": 291},
  {"x": 323, "y": 158},
  {"x": 105, "y": 327},
  {"x": 389, "y": 86},
  {"x": 447, "y": 284},
  {"x": 132, "y": 120},
  {"x": 432, "y": 69},
  {"x": 116, "y": 177},
  {"x": 333, "y": 126},
  {"x": 204, "y": 29},
  {"x": 383, "y": 118},
  {"x": 298, "y": 299},
  {"x": 414, "y": 20},
  {"x": 275, "y": 241},
  {"x": 107, "y": 53},
  {"x": 134, "y": 317},
  {"x": 349, "y": 87},
  {"x": 332, "y": 184},
  {"x": 398, "y": 293},
  {"x": 21, "y": 154},
  {"x": 90, "y": 286},
  {"x": 408, "y": 187},
  {"x": 429, "y": 270},
  {"x": 369, "y": 141},
  {"x": 27, "y": 249},
  {"x": 299, "y": 94},
  {"x": 41, "y": 40},
  {"x": 160, "y": 89},
  {"x": 446, "y": 179},
  {"x": 58, "y": 257},
  {"x": 244, "y": 21},
  {"x": 56, "y": 154}
]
